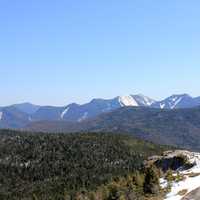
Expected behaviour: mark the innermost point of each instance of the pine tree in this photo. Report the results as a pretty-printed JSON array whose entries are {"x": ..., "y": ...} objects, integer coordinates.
[{"x": 151, "y": 182}]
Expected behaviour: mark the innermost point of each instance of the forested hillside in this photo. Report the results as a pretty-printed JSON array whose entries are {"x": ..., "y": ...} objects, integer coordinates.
[
  {"x": 179, "y": 127},
  {"x": 62, "y": 166}
]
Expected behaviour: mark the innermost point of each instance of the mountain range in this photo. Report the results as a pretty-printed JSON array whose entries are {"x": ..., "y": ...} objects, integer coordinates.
[{"x": 21, "y": 115}]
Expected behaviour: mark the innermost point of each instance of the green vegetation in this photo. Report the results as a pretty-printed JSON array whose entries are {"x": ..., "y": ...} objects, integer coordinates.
[
  {"x": 179, "y": 127},
  {"x": 151, "y": 183},
  {"x": 74, "y": 166},
  {"x": 182, "y": 192},
  {"x": 177, "y": 177}
]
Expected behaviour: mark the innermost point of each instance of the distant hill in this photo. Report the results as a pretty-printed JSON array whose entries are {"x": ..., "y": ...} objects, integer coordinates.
[
  {"x": 180, "y": 127},
  {"x": 27, "y": 108},
  {"x": 12, "y": 117}
]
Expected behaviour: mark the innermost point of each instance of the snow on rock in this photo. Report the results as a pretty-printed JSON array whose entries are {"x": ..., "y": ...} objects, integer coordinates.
[
  {"x": 64, "y": 112},
  {"x": 127, "y": 101},
  {"x": 189, "y": 183},
  {"x": 163, "y": 183}
]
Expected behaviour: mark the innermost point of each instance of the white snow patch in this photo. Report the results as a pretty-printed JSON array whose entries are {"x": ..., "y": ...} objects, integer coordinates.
[
  {"x": 148, "y": 101},
  {"x": 127, "y": 101},
  {"x": 64, "y": 112},
  {"x": 163, "y": 183},
  {"x": 1, "y": 115},
  {"x": 144, "y": 100},
  {"x": 175, "y": 100},
  {"x": 83, "y": 117},
  {"x": 162, "y": 105},
  {"x": 190, "y": 183}
]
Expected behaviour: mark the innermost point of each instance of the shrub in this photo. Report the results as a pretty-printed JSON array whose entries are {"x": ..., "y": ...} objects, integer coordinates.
[{"x": 151, "y": 181}]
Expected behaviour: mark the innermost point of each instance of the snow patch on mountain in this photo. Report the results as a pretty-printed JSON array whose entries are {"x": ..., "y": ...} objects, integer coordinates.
[
  {"x": 162, "y": 105},
  {"x": 127, "y": 101},
  {"x": 174, "y": 101},
  {"x": 143, "y": 100},
  {"x": 85, "y": 115},
  {"x": 64, "y": 113},
  {"x": 147, "y": 101}
]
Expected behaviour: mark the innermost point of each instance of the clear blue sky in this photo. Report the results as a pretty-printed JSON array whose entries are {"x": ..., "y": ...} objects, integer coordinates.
[{"x": 57, "y": 52}]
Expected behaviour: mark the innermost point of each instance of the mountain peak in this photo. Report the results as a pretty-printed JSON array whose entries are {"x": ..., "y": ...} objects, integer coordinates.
[
  {"x": 27, "y": 107},
  {"x": 143, "y": 100},
  {"x": 176, "y": 101},
  {"x": 127, "y": 101},
  {"x": 180, "y": 95},
  {"x": 96, "y": 100}
]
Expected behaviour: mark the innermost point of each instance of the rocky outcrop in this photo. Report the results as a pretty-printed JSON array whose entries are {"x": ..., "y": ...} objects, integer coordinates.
[{"x": 172, "y": 160}]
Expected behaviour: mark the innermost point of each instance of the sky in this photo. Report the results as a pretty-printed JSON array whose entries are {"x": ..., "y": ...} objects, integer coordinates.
[{"x": 58, "y": 52}]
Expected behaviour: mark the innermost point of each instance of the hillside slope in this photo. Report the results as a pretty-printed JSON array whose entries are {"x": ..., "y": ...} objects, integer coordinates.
[
  {"x": 180, "y": 127},
  {"x": 47, "y": 166}
]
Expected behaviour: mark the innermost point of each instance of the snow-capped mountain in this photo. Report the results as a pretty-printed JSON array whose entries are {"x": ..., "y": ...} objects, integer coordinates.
[
  {"x": 143, "y": 100},
  {"x": 135, "y": 100},
  {"x": 76, "y": 112},
  {"x": 20, "y": 114},
  {"x": 98, "y": 106},
  {"x": 127, "y": 101},
  {"x": 177, "y": 101}
]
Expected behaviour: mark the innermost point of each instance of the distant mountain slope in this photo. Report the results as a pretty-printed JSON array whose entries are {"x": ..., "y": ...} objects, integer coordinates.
[
  {"x": 98, "y": 106},
  {"x": 75, "y": 112},
  {"x": 78, "y": 113},
  {"x": 177, "y": 101},
  {"x": 12, "y": 117},
  {"x": 179, "y": 127},
  {"x": 47, "y": 113},
  {"x": 27, "y": 108}
]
